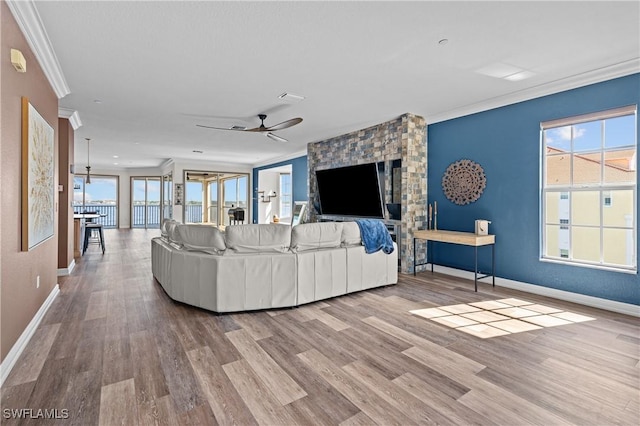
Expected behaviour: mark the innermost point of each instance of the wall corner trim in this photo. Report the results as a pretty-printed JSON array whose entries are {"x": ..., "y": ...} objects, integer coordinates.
[
  {"x": 72, "y": 116},
  {"x": 28, "y": 19},
  {"x": 15, "y": 352},
  {"x": 582, "y": 299},
  {"x": 62, "y": 272}
]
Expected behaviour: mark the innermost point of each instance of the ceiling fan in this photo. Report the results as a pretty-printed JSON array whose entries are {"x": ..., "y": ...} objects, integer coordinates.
[{"x": 262, "y": 128}]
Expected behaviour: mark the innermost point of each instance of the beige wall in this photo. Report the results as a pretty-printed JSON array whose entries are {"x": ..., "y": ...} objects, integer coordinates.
[
  {"x": 20, "y": 299},
  {"x": 65, "y": 178}
]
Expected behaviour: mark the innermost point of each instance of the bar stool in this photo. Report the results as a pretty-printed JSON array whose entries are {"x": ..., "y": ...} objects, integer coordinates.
[{"x": 89, "y": 227}]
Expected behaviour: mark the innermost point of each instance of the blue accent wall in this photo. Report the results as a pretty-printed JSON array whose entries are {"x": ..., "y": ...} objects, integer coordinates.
[
  {"x": 506, "y": 143},
  {"x": 299, "y": 180}
]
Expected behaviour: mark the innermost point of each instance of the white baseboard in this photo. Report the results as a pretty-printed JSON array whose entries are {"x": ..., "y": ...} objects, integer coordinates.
[
  {"x": 68, "y": 270},
  {"x": 594, "y": 302},
  {"x": 18, "y": 347}
]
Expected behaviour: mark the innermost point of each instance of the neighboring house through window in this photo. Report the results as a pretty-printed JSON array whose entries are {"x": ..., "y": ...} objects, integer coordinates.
[{"x": 589, "y": 189}]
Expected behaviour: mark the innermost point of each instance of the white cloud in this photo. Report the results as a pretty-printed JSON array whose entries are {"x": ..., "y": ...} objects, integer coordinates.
[{"x": 565, "y": 132}]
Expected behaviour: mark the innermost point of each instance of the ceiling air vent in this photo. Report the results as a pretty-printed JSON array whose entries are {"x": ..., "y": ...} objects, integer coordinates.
[{"x": 290, "y": 97}]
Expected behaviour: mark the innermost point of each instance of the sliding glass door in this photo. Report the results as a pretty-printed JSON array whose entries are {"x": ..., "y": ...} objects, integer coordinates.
[{"x": 145, "y": 202}]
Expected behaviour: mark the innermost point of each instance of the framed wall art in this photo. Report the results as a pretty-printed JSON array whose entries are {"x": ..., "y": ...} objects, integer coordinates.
[
  {"x": 179, "y": 194},
  {"x": 38, "y": 184}
]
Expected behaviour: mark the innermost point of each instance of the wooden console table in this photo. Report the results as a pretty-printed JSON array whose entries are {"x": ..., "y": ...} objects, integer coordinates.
[{"x": 455, "y": 237}]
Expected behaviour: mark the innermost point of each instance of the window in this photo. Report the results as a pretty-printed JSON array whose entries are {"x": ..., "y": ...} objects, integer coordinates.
[
  {"x": 101, "y": 195},
  {"x": 146, "y": 194},
  {"x": 589, "y": 189},
  {"x": 285, "y": 195},
  {"x": 209, "y": 196}
]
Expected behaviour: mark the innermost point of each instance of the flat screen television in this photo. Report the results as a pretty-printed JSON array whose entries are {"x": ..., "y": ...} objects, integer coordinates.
[{"x": 350, "y": 191}]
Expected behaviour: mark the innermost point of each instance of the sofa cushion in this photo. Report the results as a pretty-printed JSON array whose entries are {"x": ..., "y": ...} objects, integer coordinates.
[
  {"x": 351, "y": 234},
  {"x": 172, "y": 233},
  {"x": 205, "y": 238},
  {"x": 164, "y": 233},
  {"x": 312, "y": 236},
  {"x": 263, "y": 238}
]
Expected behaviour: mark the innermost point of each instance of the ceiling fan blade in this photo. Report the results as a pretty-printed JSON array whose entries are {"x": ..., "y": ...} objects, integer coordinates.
[
  {"x": 236, "y": 128},
  {"x": 285, "y": 124},
  {"x": 261, "y": 128},
  {"x": 276, "y": 137}
]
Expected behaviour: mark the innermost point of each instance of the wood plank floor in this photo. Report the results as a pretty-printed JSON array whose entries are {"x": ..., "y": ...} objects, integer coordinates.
[{"x": 114, "y": 349}]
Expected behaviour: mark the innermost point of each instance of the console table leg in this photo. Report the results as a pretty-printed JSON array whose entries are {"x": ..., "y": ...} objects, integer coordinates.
[
  {"x": 493, "y": 264},
  {"x": 475, "y": 271},
  {"x": 430, "y": 251},
  {"x": 414, "y": 257}
]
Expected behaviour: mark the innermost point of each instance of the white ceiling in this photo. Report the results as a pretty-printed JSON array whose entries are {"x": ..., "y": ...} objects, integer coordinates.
[{"x": 160, "y": 68}]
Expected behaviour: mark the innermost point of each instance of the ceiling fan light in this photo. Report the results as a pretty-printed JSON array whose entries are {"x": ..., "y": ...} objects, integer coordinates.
[{"x": 276, "y": 137}]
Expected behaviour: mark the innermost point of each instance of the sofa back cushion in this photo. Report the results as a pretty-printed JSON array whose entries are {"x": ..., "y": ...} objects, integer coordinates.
[
  {"x": 313, "y": 236},
  {"x": 351, "y": 234},
  {"x": 172, "y": 232},
  {"x": 262, "y": 238},
  {"x": 163, "y": 228},
  {"x": 203, "y": 238}
]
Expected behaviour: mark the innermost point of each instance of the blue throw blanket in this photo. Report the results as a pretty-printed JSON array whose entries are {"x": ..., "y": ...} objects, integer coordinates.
[{"x": 375, "y": 236}]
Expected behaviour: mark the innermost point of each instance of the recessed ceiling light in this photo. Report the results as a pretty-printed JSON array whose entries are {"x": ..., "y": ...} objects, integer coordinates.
[
  {"x": 115, "y": 164},
  {"x": 499, "y": 70},
  {"x": 115, "y": 156},
  {"x": 519, "y": 76},
  {"x": 290, "y": 97},
  {"x": 443, "y": 41}
]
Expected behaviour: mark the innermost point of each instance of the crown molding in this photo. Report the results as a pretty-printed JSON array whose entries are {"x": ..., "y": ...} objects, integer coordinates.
[
  {"x": 72, "y": 116},
  {"x": 280, "y": 159},
  {"x": 621, "y": 69},
  {"x": 28, "y": 19}
]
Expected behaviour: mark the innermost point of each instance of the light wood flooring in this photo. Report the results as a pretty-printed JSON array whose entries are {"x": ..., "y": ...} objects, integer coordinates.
[{"x": 114, "y": 349}]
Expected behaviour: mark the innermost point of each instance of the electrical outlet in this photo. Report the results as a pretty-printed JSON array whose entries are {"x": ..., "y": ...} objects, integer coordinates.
[{"x": 38, "y": 281}]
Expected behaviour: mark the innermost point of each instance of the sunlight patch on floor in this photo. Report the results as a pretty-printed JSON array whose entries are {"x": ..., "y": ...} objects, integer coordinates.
[{"x": 500, "y": 317}]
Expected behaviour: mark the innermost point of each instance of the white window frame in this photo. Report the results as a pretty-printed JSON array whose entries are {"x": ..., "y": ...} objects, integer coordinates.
[{"x": 601, "y": 187}]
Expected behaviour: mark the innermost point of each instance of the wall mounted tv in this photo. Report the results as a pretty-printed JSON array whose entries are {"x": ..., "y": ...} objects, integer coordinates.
[{"x": 350, "y": 191}]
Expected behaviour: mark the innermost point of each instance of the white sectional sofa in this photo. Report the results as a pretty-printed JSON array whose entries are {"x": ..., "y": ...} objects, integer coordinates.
[{"x": 251, "y": 267}]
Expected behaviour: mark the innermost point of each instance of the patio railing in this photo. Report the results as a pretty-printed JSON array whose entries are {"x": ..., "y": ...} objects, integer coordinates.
[
  {"x": 152, "y": 212},
  {"x": 110, "y": 212}
]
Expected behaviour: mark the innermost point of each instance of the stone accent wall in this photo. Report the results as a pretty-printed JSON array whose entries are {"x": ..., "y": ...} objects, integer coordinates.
[{"x": 403, "y": 138}]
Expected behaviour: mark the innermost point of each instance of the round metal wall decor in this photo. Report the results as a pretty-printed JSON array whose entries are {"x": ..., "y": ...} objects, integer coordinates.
[{"x": 463, "y": 182}]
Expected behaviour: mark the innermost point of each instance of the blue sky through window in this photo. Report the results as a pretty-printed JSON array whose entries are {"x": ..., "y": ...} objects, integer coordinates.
[
  {"x": 618, "y": 132},
  {"x": 103, "y": 189}
]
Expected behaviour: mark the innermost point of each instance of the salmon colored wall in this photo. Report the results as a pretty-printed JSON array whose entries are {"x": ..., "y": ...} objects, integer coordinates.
[
  {"x": 20, "y": 299},
  {"x": 65, "y": 224}
]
